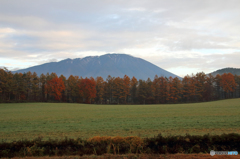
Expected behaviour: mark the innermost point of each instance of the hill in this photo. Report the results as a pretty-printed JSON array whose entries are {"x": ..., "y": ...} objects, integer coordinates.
[
  {"x": 234, "y": 71},
  {"x": 116, "y": 65}
]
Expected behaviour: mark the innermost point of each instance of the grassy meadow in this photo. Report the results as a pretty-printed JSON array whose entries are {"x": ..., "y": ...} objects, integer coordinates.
[{"x": 58, "y": 120}]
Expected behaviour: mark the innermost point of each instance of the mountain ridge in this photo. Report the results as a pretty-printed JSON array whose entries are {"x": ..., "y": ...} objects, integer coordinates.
[
  {"x": 116, "y": 65},
  {"x": 226, "y": 70}
]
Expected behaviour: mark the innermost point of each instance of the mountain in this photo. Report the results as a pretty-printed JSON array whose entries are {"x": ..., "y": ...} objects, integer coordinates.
[
  {"x": 227, "y": 70},
  {"x": 116, "y": 65}
]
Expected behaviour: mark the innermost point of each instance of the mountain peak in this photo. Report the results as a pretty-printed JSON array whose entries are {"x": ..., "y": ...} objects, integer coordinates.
[{"x": 116, "y": 65}]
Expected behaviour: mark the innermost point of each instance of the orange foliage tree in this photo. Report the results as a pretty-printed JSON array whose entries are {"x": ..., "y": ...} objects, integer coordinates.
[
  {"x": 156, "y": 89},
  {"x": 174, "y": 89},
  {"x": 55, "y": 86},
  {"x": 163, "y": 89},
  {"x": 87, "y": 88},
  {"x": 118, "y": 90},
  {"x": 228, "y": 83},
  {"x": 171, "y": 90},
  {"x": 200, "y": 79},
  {"x": 126, "y": 87},
  {"x": 185, "y": 88}
]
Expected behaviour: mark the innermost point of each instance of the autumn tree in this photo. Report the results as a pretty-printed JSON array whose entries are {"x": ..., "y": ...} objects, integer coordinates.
[
  {"x": 218, "y": 88},
  {"x": 163, "y": 89},
  {"x": 99, "y": 89},
  {"x": 142, "y": 91},
  {"x": 4, "y": 87},
  {"x": 185, "y": 88},
  {"x": 19, "y": 86},
  {"x": 208, "y": 93},
  {"x": 72, "y": 89},
  {"x": 52, "y": 75},
  {"x": 118, "y": 89},
  {"x": 192, "y": 88},
  {"x": 174, "y": 89},
  {"x": 43, "y": 81},
  {"x": 48, "y": 78},
  {"x": 133, "y": 89},
  {"x": 177, "y": 89},
  {"x": 64, "y": 92},
  {"x": 105, "y": 93},
  {"x": 35, "y": 86},
  {"x": 55, "y": 86},
  {"x": 228, "y": 84},
  {"x": 2, "y": 76},
  {"x": 9, "y": 85},
  {"x": 237, "y": 90},
  {"x": 156, "y": 89},
  {"x": 126, "y": 87},
  {"x": 171, "y": 92},
  {"x": 28, "y": 79},
  {"x": 109, "y": 88},
  {"x": 87, "y": 88},
  {"x": 15, "y": 86},
  {"x": 200, "y": 79},
  {"x": 149, "y": 92}
]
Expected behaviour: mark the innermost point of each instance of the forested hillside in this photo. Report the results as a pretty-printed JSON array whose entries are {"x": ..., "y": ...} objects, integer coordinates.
[
  {"x": 234, "y": 71},
  {"x": 29, "y": 87}
]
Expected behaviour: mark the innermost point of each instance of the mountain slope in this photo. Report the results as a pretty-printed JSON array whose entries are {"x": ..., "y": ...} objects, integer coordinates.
[
  {"x": 116, "y": 65},
  {"x": 227, "y": 70}
]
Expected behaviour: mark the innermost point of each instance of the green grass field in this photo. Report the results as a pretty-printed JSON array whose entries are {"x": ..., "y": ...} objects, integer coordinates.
[{"x": 58, "y": 120}]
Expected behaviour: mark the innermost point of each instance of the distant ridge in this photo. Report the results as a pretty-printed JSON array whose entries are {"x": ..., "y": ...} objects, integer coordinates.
[
  {"x": 116, "y": 65},
  {"x": 227, "y": 70}
]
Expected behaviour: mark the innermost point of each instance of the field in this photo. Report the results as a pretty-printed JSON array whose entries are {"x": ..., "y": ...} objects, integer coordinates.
[{"x": 58, "y": 120}]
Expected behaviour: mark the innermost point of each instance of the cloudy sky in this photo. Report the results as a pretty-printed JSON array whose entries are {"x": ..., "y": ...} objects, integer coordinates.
[{"x": 181, "y": 36}]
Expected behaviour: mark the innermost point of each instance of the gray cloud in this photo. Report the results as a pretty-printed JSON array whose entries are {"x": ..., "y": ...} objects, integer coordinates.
[
  {"x": 197, "y": 62},
  {"x": 179, "y": 33}
]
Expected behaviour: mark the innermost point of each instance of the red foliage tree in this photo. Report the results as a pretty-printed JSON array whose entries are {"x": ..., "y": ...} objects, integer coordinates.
[
  {"x": 55, "y": 87},
  {"x": 228, "y": 83},
  {"x": 88, "y": 89}
]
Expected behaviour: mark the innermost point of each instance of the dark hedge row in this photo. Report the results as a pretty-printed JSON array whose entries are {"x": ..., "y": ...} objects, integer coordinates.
[{"x": 121, "y": 145}]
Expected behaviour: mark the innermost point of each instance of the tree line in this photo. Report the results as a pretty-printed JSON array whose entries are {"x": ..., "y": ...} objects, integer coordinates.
[{"x": 29, "y": 87}]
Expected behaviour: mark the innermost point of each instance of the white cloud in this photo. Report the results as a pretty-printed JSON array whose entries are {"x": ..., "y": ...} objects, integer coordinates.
[
  {"x": 136, "y": 9},
  {"x": 174, "y": 35}
]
